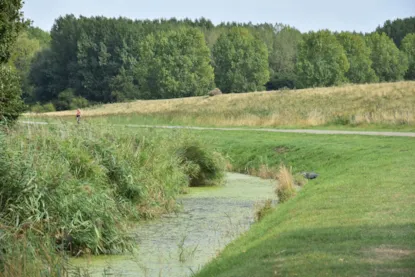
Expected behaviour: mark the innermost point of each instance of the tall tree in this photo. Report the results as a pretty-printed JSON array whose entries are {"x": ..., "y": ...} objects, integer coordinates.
[
  {"x": 283, "y": 58},
  {"x": 87, "y": 55},
  {"x": 42, "y": 76},
  {"x": 11, "y": 104},
  {"x": 21, "y": 59},
  {"x": 40, "y": 35},
  {"x": 388, "y": 62},
  {"x": 408, "y": 47},
  {"x": 64, "y": 45},
  {"x": 241, "y": 62},
  {"x": 358, "y": 55},
  {"x": 11, "y": 23},
  {"x": 175, "y": 64},
  {"x": 398, "y": 29},
  {"x": 322, "y": 60}
]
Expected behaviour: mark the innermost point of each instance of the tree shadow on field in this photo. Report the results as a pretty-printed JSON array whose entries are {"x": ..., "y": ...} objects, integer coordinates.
[{"x": 364, "y": 250}]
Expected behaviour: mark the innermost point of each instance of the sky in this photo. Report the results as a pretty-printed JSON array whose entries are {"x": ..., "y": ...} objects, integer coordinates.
[{"x": 351, "y": 15}]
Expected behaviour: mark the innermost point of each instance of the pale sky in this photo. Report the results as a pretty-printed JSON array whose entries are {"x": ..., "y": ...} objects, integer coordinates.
[{"x": 351, "y": 15}]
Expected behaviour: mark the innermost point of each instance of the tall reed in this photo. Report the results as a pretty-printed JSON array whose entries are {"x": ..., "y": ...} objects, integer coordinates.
[{"x": 76, "y": 188}]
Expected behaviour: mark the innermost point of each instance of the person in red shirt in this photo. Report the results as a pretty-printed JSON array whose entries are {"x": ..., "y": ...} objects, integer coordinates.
[{"x": 78, "y": 115}]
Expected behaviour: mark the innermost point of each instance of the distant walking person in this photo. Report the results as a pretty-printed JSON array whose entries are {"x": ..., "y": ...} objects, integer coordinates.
[{"x": 78, "y": 115}]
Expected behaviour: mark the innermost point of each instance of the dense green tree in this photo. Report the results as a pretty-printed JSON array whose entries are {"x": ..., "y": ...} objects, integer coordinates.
[
  {"x": 28, "y": 44},
  {"x": 408, "y": 47},
  {"x": 87, "y": 55},
  {"x": 11, "y": 23},
  {"x": 21, "y": 60},
  {"x": 63, "y": 56},
  {"x": 388, "y": 62},
  {"x": 23, "y": 51},
  {"x": 123, "y": 86},
  {"x": 283, "y": 58},
  {"x": 11, "y": 104},
  {"x": 358, "y": 55},
  {"x": 265, "y": 33},
  {"x": 38, "y": 34},
  {"x": 116, "y": 59},
  {"x": 398, "y": 29},
  {"x": 175, "y": 64},
  {"x": 42, "y": 76},
  {"x": 241, "y": 62},
  {"x": 322, "y": 60}
]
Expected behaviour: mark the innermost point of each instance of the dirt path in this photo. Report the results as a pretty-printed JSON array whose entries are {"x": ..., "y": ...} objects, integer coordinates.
[{"x": 299, "y": 131}]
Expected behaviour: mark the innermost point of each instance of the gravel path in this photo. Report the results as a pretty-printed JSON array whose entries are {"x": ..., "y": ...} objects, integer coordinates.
[{"x": 299, "y": 131}]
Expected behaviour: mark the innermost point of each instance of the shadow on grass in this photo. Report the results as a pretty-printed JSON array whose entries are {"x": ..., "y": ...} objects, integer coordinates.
[{"x": 368, "y": 250}]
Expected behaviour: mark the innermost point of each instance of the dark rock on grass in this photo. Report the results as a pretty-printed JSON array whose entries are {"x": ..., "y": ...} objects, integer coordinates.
[{"x": 310, "y": 175}]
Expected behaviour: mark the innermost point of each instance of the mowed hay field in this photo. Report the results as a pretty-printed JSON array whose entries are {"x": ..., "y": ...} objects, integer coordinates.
[{"x": 388, "y": 104}]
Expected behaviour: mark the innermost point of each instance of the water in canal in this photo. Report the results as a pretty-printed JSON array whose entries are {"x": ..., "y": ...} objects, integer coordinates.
[{"x": 179, "y": 244}]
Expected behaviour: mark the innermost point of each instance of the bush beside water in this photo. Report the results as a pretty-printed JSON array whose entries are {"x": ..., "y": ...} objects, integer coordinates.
[
  {"x": 79, "y": 186},
  {"x": 203, "y": 166}
]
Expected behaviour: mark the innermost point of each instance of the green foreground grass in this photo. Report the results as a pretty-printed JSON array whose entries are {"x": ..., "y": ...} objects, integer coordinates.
[{"x": 356, "y": 219}]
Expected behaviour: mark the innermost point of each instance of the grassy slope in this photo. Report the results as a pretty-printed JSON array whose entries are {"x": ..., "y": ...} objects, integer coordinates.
[
  {"x": 356, "y": 219},
  {"x": 386, "y": 105}
]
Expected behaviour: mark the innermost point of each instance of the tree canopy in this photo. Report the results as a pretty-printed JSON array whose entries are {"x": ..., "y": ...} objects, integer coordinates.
[
  {"x": 11, "y": 23},
  {"x": 86, "y": 60},
  {"x": 174, "y": 64},
  {"x": 241, "y": 62},
  {"x": 408, "y": 47},
  {"x": 389, "y": 63},
  {"x": 358, "y": 55},
  {"x": 398, "y": 29},
  {"x": 283, "y": 58},
  {"x": 322, "y": 60}
]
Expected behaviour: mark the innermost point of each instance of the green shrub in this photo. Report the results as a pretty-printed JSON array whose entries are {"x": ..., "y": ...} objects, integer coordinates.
[
  {"x": 78, "y": 102},
  {"x": 46, "y": 108},
  {"x": 204, "y": 166},
  {"x": 68, "y": 101}
]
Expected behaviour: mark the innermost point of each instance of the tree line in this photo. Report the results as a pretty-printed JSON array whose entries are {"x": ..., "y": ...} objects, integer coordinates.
[{"x": 87, "y": 60}]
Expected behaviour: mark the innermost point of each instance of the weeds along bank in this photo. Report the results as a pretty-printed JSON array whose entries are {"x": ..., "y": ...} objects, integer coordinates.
[
  {"x": 388, "y": 104},
  {"x": 78, "y": 187}
]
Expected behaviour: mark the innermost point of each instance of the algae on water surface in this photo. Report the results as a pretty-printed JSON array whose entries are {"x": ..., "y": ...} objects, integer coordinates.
[{"x": 181, "y": 243}]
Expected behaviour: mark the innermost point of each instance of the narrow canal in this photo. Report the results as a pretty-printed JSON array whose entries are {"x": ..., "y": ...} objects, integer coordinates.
[{"x": 179, "y": 244}]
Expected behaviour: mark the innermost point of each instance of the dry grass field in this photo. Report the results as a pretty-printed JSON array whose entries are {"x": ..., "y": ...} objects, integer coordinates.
[{"x": 390, "y": 104}]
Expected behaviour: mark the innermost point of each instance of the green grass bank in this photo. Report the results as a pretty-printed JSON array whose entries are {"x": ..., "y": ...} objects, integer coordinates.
[{"x": 356, "y": 219}]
